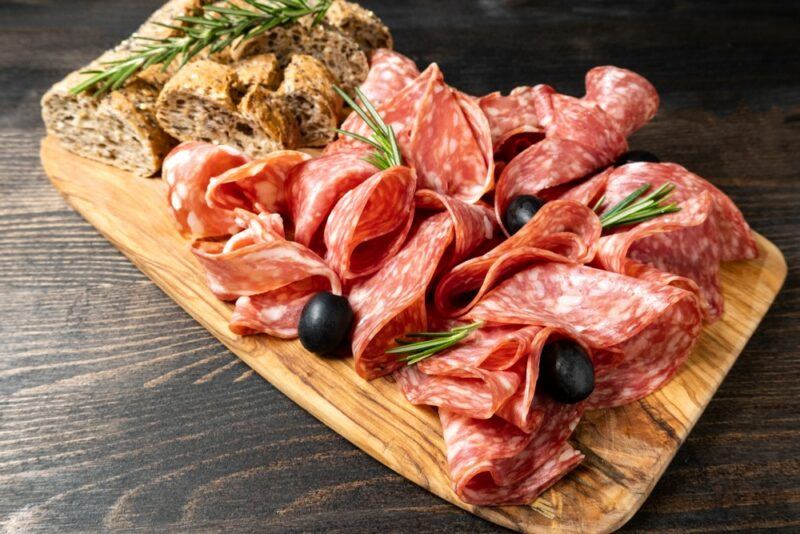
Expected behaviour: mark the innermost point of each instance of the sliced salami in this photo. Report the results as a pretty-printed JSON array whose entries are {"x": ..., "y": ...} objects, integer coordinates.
[
  {"x": 187, "y": 170},
  {"x": 493, "y": 462},
  {"x": 644, "y": 329},
  {"x": 389, "y": 73},
  {"x": 370, "y": 222},
  {"x": 560, "y": 231},
  {"x": 581, "y": 135},
  {"x": 271, "y": 277},
  {"x": 256, "y": 186},
  {"x": 314, "y": 187}
]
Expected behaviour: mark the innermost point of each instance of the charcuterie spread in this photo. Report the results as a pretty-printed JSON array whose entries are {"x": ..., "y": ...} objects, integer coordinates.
[{"x": 505, "y": 258}]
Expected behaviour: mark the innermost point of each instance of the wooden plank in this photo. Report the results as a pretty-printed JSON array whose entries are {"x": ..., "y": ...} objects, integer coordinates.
[{"x": 627, "y": 448}]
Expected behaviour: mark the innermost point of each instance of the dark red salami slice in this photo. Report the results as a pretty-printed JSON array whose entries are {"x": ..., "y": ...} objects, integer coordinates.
[
  {"x": 256, "y": 186},
  {"x": 370, "y": 223},
  {"x": 389, "y": 73},
  {"x": 188, "y": 170},
  {"x": 642, "y": 330},
  {"x": 314, "y": 187},
  {"x": 560, "y": 231},
  {"x": 582, "y": 135},
  {"x": 492, "y": 462},
  {"x": 272, "y": 278}
]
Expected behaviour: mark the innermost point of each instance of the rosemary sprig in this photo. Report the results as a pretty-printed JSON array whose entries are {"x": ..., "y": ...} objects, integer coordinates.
[
  {"x": 415, "y": 351},
  {"x": 383, "y": 140},
  {"x": 217, "y": 28},
  {"x": 631, "y": 210}
]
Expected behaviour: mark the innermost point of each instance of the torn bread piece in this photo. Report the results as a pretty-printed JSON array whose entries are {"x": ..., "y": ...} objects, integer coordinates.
[{"x": 361, "y": 24}]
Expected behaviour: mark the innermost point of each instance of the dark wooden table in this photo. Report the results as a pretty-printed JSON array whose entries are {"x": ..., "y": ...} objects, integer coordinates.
[{"x": 117, "y": 411}]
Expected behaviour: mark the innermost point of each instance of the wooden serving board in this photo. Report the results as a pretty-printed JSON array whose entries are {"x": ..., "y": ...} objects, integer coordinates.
[{"x": 627, "y": 449}]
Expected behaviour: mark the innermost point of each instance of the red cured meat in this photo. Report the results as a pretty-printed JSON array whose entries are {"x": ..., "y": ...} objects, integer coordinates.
[
  {"x": 689, "y": 244},
  {"x": 514, "y": 112},
  {"x": 271, "y": 278},
  {"x": 442, "y": 134},
  {"x": 495, "y": 372},
  {"x": 187, "y": 171},
  {"x": 560, "y": 231},
  {"x": 389, "y": 73},
  {"x": 642, "y": 330},
  {"x": 370, "y": 222},
  {"x": 314, "y": 187},
  {"x": 492, "y": 462},
  {"x": 257, "y": 186},
  {"x": 581, "y": 135}
]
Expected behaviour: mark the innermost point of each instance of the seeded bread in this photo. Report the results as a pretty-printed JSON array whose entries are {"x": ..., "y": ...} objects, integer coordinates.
[
  {"x": 336, "y": 50},
  {"x": 204, "y": 101},
  {"x": 120, "y": 128},
  {"x": 361, "y": 24},
  {"x": 307, "y": 88}
]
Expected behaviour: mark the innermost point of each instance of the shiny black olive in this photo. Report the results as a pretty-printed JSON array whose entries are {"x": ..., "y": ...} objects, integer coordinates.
[
  {"x": 520, "y": 210},
  {"x": 633, "y": 156},
  {"x": 566, "y": 371},
  {"x": 325, "y": 322}
]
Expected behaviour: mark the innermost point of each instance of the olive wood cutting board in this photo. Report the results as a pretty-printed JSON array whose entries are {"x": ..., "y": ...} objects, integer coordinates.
[{"x": 627, "y": 449}]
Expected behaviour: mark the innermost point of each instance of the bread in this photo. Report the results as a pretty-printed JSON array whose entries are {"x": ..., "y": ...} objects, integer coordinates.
[
  {"x": 343, "y": 57},
  {"x": 362, "y": 25},
  {"x": 308, "y": 89},
  {"x": 260, "y": 106},
  {"x": 120, "y": 128},
  {"x": 205, "y": 101}
]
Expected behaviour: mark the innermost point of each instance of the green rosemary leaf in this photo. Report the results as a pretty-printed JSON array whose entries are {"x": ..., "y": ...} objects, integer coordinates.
[
  {"x": 413, "y": 352},
  {"x": 631, "y": 211}
]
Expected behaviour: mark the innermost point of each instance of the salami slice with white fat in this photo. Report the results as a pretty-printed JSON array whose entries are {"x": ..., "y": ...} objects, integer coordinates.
[
  {"x": 581, "y": 135},
  {"x": 642, "y": 330},
  {"x": 493, "y": 462},
  {"x": 560, "y": 231},
  {"x": 389, "y": 72},
  {"x": 187, "y": 170},
  {"x": 270, "y": 277},
  {"x": 370, "y": 222},
  {"x": 314, "y": 187},
  {"x": 256, "y": 186}
]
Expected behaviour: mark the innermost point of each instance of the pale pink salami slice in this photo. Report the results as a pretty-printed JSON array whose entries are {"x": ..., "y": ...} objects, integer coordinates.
[
  {"x": 512, "y": 112},
  {"x": 188, "y": 170},
  {"x": 560, "y": 231},
  {"x": 370, "y": 222},
  {"x": 645, "y": 329},
  {"x": 276, "y": 276},
  {"x": 257, "y": 186},
  {"x": 627, "y": 97},
  {"x": 492, "y": 462},
  {"x": 313, "y": 188},
  {"x": 389, "y": 73}
]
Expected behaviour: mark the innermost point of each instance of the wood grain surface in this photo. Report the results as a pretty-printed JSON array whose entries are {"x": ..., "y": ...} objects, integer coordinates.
[
  {"x": 118, "y": 411},
  {"x": 626, "y": 449}
]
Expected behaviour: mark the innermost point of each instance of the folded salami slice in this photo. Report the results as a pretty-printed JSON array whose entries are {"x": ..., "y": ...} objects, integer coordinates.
[
  {"x": 495, "y": 372},
  {"x": 270, "y": 278},
  {"x": 493, "y": 462},
  {"x": 642, "y": 331},
  {"x": 560, "y": 231},
  {"x": 391, "y": 302},
  {"x": 313, "y": 188},
  {"x": 188, "y": 169},
  {"x": 256, "y": 186},
  {"x": 389, "y": 73},
  {"x": 581, "y": 135},
  {"x": 685, "y": 245},
  {"x": 513, "y": 113},
  {"x": 370, "y": 223},
  {"x": 442, "y": 134}
]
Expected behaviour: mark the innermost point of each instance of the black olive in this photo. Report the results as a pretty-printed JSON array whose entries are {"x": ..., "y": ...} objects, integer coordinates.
[
  {"x": 633, "y": 156},
  {"x": 566, "y": 371},
  {"x": 520, "y": 210},
  {"x": 324, "y": 323}
]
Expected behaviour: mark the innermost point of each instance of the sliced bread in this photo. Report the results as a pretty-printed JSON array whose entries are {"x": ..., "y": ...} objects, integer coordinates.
[{"x": 361, "y": 24}]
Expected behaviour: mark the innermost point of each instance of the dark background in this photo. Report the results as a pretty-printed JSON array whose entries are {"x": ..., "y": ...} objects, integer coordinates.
[{"x": 118, "y": 411}]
